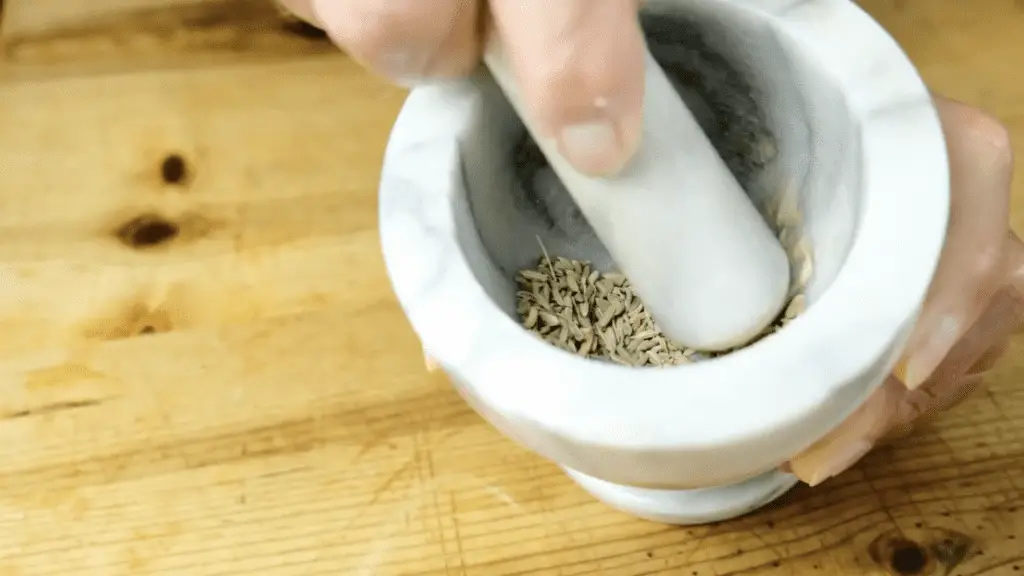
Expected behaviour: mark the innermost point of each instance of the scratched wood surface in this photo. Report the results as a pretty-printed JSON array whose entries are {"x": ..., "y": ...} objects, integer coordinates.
[{"x": 203, "y": 370}]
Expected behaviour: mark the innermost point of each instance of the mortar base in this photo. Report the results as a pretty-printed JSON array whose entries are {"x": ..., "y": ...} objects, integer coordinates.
[{"x": 689, "y": 507}]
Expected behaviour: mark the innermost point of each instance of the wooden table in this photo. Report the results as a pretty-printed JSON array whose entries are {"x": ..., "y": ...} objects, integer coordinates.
[{"x": 204, "y": 371}]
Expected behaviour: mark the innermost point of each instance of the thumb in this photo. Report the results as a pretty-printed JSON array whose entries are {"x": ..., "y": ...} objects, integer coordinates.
[{"x": 580, "y": 65}]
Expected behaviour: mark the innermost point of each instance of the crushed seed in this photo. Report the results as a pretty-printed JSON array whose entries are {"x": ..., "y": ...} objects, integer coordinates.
[{"x": 576, "y": 308}]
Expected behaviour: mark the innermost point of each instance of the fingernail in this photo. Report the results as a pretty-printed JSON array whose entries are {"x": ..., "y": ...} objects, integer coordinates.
[
  {"x": 842, "y": 460},
  {"x": 593, "y": 147},
  {"x": 921, "y": 362}
]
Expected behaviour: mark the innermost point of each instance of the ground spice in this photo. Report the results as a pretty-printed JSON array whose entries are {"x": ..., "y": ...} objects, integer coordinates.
[{"x": 596, "y": 315}]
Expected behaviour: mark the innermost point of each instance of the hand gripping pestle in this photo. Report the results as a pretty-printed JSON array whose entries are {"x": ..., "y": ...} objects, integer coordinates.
[{"x": 676, "y": 222}]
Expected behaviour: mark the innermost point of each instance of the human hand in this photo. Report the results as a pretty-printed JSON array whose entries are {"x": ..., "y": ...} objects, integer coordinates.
[
  {"x": 975, "y": 302},
  {"x": 580, "y": 63}
]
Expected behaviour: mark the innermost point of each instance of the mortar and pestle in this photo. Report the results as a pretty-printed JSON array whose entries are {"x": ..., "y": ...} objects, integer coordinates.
[{"x": 757, "y": 112}]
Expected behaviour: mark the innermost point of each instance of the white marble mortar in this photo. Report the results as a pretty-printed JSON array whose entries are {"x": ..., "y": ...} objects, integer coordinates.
[{"x": 857, "y": 152}]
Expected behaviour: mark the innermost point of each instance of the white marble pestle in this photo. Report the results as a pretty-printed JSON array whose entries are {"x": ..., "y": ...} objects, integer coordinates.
[{"x": 676, "y": 222}]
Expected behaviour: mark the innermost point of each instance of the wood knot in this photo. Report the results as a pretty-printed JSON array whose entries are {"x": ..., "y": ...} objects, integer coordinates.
[
  {"x": 147, "y": 231},
  {"x": 173, "y": 169},
  {"x": 901, "y": 556},
  {"x": 920, "y": 552},
  {"x": 908, "y": 558}
]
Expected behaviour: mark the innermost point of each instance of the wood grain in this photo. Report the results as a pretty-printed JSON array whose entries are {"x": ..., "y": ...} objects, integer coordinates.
[
  {"x": 204, "y": 371},
  {"x": 80, "y": 37}
]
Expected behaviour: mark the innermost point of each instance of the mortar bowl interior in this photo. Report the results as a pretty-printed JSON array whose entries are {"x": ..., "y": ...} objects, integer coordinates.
[{"x": 815, "y": 138}]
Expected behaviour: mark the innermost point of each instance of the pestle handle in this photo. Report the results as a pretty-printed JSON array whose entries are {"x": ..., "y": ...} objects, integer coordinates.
[{"x": 676, "y": 222}]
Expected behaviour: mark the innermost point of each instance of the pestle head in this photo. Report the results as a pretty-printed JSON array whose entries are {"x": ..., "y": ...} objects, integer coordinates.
[{"x": 676, "y": 222}]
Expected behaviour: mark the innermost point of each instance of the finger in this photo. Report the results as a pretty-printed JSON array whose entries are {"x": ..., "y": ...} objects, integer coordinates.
[
  {"x": 580, "y": 65},
  {"x": 935, "y": 398},
  {"x": 950, "y": 385},
  {"x": 968, "y": 272},
  {"x": 962, "y": 370},
  {"x": 891, "y": 412},
  {"x": 406, "y": 40},
  {"x": 854, "y": 438},
  {"x": 992, "y": 329},
  {"x": 919, "y": 410}
]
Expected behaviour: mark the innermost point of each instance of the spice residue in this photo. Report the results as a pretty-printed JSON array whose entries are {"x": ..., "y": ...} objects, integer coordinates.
[{"x": 579, "y": 309}]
